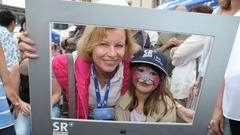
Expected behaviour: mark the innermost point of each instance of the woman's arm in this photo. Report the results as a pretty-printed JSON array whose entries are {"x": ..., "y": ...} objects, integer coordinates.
[
  {"x": 184, "y": 113},
  {"x": 56, "y": 91},
  {"x": 173, "y": 42},
  {"x": 216, "y": 123}
]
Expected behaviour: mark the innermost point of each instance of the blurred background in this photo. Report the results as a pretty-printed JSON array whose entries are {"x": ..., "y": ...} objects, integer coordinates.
[{"x": 61, "y": 31}]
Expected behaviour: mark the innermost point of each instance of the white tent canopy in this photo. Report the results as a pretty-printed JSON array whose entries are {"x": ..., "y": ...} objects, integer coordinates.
[{"x": 14, "y": 3}]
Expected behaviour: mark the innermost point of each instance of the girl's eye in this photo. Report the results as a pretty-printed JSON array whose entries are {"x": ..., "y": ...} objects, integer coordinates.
[
  {"x": 140, "y": 69},
  {"x": 153, "y": 73}
]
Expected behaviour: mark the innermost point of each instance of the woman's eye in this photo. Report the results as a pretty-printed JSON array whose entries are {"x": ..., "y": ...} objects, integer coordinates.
[
  {"x": 119, "y": 46},
  {"x": 103, "y": 44}
]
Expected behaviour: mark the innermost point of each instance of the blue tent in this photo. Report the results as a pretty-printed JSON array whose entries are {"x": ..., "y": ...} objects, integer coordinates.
[{"x": 188, "y": 3}]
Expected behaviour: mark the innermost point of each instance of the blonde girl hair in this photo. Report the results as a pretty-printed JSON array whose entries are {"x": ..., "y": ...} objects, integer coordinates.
[{"x": 92, "y": 36}]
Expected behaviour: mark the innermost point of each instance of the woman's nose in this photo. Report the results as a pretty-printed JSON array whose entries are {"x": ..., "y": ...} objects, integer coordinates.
[{"x": 112, "y": 52}]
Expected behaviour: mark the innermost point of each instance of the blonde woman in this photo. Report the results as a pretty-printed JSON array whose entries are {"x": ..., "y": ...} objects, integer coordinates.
[{"x": 101, "y": 70}]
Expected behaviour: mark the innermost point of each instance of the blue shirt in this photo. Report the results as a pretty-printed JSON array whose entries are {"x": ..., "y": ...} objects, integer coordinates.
[
  {"x": 6, "y": 119},
  {"x": 10, "y": 47}
]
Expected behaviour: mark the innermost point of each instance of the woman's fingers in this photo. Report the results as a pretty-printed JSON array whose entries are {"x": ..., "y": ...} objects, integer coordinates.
[{"x": 26, "y": 47}]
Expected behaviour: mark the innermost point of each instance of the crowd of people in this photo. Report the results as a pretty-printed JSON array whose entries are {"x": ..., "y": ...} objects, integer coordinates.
[{"x": 119, "y": 74}]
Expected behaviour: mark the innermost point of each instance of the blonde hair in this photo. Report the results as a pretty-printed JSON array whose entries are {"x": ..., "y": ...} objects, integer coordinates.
[
  {"x": 225, "y": 4},
  {"x": 92, "y": 37}
]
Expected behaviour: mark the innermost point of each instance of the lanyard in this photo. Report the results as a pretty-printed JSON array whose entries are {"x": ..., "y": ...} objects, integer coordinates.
[{"x": 100, "y": 103}]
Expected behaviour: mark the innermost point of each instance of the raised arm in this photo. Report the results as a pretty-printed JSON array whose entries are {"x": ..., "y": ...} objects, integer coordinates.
[{"x": 190, "y": 49}]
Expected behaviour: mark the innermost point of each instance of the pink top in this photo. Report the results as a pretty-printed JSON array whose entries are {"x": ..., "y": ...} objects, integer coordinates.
[{"x": 82, "y": 71}]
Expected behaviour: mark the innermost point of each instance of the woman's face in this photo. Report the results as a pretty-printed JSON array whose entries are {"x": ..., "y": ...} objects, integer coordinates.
[
  {"x": 145, "y": 79},
  {"x": 110, "y": 52}
]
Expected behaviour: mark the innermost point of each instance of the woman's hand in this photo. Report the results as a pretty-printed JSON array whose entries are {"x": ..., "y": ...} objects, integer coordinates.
[
  {"x": 26, "y": 47},
  {"x": 217, "y": 121}
]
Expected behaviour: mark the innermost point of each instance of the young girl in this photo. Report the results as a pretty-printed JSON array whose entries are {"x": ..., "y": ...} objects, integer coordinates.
[{"x": 148, "y": 99}]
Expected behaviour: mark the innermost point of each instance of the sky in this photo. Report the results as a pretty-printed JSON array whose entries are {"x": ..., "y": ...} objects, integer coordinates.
[{"x": 16, "y": 3}]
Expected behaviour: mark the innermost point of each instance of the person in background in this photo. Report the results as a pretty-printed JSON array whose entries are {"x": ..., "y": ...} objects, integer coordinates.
[
  {"x": 186, "y": 58},
  {"x": 23, "y": 25},
  {"x": 23, "y": 116},
  {"x": 9, "y": 43},
  {"x": 228, "y": 99},
  {"x": 69, "y": 44},
  {"x": 181, "y": 7},
  {"x": 201, "y": 9},
  {"x": 6, "y": 91},
  {"x": 141, "y": 38},
  {"x": 166, "y": 41},
  {"x": 153, "y": 35},
  {"x": 55, "y": 44},
  {"x": 22, "y": 29}
]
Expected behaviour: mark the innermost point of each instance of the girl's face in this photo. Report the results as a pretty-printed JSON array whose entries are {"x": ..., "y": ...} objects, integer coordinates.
[
  {"x": 145, "y": 79},
  {"x": 110, "y": 52}
]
